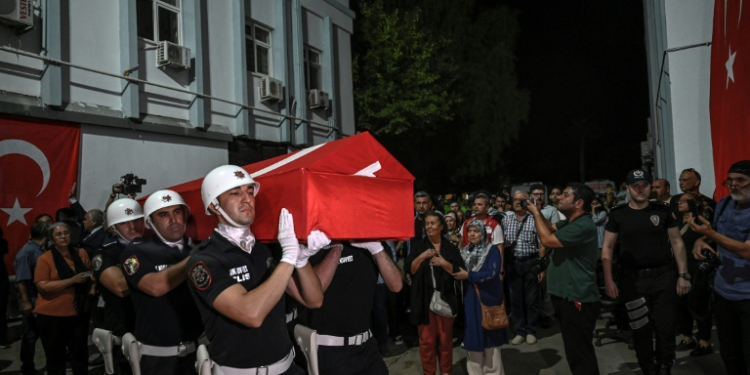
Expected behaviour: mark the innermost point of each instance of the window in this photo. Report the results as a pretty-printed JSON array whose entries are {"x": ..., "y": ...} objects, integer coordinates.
[
  {"x": 159, "y": 20},
  {"x": 312, "y": 70},
  {"x": 258, "y": 49}
]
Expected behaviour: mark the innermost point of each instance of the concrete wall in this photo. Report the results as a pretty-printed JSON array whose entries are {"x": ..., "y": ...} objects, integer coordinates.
[
  {"x": 683, "y": 132},
  {"x": 108, "y": 153}
]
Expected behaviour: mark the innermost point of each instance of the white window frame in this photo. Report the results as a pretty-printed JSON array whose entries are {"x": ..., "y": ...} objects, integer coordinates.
[
  {"x": 156, "y": 4},
  {"x": 255, "y": 42},
  {"x": 308, "y": 63}
]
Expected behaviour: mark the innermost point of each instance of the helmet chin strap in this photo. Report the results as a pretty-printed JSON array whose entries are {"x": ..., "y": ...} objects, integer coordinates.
[
  {"x": 225, "y": 216},
  {"x": 120, "y": 237},
  {"x": 178, "y": 244}
]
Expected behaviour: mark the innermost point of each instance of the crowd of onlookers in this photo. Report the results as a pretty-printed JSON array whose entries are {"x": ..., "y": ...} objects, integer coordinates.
[{"x": 469, "y": 251}]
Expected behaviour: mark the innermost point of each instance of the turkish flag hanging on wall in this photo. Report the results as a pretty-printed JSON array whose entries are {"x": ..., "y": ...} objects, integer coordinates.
[
  {"x": 38, "y": 165},
  {"x": 730, "y": 88}
]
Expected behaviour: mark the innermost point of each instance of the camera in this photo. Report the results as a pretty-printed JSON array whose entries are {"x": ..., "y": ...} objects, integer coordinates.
[
  {"x": 540, "y": 266},
  {"x": 708, "y": 265},
  {"x": 525, "y": 203},
  {"x": 131, "y": 184}
]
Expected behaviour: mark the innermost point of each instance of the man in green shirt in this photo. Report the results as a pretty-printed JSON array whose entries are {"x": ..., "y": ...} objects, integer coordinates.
[{"x": 571, "y": 275}]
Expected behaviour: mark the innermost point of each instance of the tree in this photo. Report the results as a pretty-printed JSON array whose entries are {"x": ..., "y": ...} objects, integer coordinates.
[{"x": 402, "y": 75}]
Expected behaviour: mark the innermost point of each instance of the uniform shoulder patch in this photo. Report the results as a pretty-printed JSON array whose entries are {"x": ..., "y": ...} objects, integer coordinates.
[
  {"x": 131, "y": 265},
  {"x": 96, "y": 263},
  {"x": 200, "y": 276}
]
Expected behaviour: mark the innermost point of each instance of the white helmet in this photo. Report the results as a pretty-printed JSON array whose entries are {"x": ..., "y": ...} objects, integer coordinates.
[
  {"x": 160, "y": 199},
  {"x": 222, "y": 179},
  {"x": 123, "y": 210}
]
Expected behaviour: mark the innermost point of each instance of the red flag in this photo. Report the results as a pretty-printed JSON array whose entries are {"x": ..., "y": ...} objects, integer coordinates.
[
  {"x": 730, "y": 88},
  {"x": 38, "y": 165}
]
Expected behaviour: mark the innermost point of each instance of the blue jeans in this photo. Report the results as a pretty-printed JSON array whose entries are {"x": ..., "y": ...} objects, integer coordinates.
[{"x": 524, "y": 295}]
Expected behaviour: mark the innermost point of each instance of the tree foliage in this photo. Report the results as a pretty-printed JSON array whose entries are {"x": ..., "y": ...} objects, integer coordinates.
[{"x": 401, "y": 74}]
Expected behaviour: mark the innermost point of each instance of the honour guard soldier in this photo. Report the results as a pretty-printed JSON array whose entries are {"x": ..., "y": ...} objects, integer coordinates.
[
  {"x": 125, "y": 219},
  {"x": 239, "y": 286},
  {"x": 167, "y": 322}
]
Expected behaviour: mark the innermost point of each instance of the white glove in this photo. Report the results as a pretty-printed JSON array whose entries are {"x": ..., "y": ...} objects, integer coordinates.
[
  {"x": 373, "y": 247},
  {"x": 315, "y": 241},
  {"x": 287, "y": 238}
]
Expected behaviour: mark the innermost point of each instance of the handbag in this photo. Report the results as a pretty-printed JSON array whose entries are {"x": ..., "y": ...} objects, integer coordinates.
[
  {"x": 437, "y": 304},
  {"x": 493, "y": 317}
]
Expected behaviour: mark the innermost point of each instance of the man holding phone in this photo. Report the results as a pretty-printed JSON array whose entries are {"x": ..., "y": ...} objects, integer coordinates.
[{"x": 521, "y": 255}]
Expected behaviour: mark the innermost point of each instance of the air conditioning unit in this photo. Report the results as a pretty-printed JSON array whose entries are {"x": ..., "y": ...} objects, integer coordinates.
[
  {"x": 270, "y": 89},
  {"x": 17, "y": 12},
  {"x": 172, "y": 55},
  {"x": 317, "y": 99}
]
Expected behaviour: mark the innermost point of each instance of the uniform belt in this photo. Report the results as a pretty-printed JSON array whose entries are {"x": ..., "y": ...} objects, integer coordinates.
[
  {"x": 291, "y": 316},
  {"x": 275, "y": 369},
  {"x": 357, "y": 339},
  {"x": 649, "y": 272},
  {"x": 167, "y": 351},
  {"x": 526, "y": 257}
]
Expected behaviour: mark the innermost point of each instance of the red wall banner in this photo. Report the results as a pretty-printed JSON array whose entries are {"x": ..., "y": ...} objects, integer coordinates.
[
  {"x": 730, "y": 88},
  {"x": 38, "y": 165}
]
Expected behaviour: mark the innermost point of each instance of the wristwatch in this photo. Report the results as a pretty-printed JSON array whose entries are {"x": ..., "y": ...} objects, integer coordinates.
[{"x": 685, "y": 276}]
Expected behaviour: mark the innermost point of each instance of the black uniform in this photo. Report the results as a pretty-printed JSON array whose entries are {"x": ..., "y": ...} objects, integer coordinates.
[
  {"x": 647, "y": 279},
  {"x": 119, "y": 316},
  {"x": 165, "y": 321},
  {"x": 346, "y": 312},
  {"x": 217, "y": 265}
]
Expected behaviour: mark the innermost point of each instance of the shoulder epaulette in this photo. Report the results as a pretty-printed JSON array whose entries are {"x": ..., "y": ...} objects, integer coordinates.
[{"x": 107, "y": 245}]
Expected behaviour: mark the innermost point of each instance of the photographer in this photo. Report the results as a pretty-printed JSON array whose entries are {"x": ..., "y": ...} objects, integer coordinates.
[
  {"x": 731, "y": 283},
  {"x": 572, "y": 273}
]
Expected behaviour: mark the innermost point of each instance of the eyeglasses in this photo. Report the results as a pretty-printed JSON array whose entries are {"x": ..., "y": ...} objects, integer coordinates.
[
  {"x": 62, "y": 234},
  {"x": 729, "y": 182}
]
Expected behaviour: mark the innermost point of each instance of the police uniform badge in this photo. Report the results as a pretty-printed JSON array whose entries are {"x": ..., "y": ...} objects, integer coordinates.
[
  {"x": 655, "y": 220},
  {"x": 96, "y": 263},
  {"x": 200, "y": 276},
  {"x": 131, "y": 265}
]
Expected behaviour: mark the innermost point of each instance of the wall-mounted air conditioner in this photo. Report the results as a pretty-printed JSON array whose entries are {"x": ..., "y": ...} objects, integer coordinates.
[
  {"x": 172, "y": 55},
  {"x": 270, "y": 89},
  {"x": 317, "y": 99},
  {"x": 17, "y": 12}
]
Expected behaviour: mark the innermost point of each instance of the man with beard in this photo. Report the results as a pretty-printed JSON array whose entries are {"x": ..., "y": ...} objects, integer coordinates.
[
  {"x": 731, "y": 239},
  {"x": 647, "y": 272},
  {"x": 167, "y": 322}
]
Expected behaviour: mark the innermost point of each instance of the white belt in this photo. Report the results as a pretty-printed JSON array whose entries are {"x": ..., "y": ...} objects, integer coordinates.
[
  {"x": 167, "y": 351},
  {"x": 291, "y": 316},
  {"x": 357, "y": 339},
  {"x": 275, "y": 369}
]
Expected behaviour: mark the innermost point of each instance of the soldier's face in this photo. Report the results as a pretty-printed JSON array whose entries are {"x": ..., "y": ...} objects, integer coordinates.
[
  {"x": 170, "y": 222},
  {"x": 239, "y": 204},
  {"x": 130, "y": 230}
]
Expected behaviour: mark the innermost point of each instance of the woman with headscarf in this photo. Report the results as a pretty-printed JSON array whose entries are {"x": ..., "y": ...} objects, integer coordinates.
[
  {"x": 453, "y": 231},
  {"x": 64, "y": 280},
  {"x": 483, "y": 264},
  {"x": 432, "y": 262}
]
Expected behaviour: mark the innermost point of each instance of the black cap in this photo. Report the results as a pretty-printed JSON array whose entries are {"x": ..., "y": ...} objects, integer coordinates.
[
  {"x": 742, "y": 166},
  {"x": 638, "y": 175}
]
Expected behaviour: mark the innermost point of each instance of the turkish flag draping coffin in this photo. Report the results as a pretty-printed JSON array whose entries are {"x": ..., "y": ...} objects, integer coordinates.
[{"x": 319, "y": 187}]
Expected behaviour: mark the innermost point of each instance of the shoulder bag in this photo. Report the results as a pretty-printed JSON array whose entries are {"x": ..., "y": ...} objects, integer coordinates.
[
  {"x": 493, "y": 317},
  {"x": 437, "y": 304}
]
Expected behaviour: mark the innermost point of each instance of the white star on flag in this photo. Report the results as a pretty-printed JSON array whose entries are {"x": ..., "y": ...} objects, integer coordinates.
[
  {"x": 729, "y": 65},
  {"x": 16, "y": 213}
]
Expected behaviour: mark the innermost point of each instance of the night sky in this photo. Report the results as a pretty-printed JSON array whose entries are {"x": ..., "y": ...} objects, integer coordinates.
[{"x": 584, "y": 63}]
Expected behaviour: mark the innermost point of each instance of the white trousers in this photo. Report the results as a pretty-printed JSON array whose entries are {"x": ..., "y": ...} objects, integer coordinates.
[{"x": 488, "y": 362}]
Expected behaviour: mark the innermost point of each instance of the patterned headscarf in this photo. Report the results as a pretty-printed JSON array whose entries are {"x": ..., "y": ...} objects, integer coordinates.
[{"x": 474, "y": 255}]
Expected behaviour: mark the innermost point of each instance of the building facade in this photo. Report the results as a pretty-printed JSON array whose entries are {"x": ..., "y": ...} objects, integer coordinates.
[{"x": 170, "y": 89}]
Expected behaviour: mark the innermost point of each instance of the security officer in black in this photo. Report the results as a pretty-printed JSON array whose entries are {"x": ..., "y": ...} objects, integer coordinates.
[
  {"x": 647, "y": 272},
  {"x": 119, "y": 316},
  {"x": 167, "y": 321},
  {"x": 349, "y": 275},
  {"x": 239, "y": 285}
]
